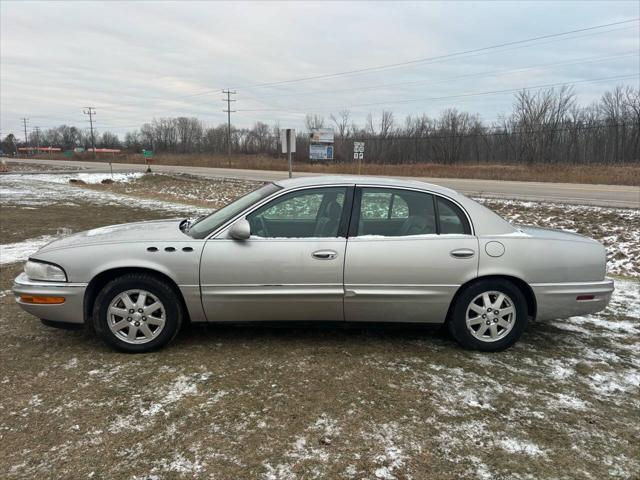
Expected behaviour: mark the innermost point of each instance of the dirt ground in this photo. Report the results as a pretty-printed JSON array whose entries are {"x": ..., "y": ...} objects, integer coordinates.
[{"x": 302, "y": 401}]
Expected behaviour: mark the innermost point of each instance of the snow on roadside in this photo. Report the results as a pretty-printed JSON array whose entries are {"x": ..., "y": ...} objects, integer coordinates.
[
  {"x": 48, "y": 189},
  {"x": 19, "y": 251},
  {"x": 91, "y": 178}
]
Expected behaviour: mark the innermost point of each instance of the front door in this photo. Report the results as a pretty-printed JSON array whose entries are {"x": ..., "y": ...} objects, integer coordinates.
[
  {"x": 291, "y": 268},
  {"x": 407, "y": 254}
]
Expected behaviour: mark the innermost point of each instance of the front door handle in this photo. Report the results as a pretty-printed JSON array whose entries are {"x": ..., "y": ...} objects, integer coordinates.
[
  {"x": 462, "y": 253},
  {"x": 324, "y": 254}
]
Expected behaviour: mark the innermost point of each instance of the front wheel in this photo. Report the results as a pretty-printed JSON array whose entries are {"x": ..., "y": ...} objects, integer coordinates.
[
  {"x": 489, "y": 315},
  {"x": 137, "y": 313}
]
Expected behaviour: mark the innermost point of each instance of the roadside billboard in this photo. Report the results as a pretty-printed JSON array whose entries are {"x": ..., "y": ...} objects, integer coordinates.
[
  {"x": 320, "y": 151},
  {"x": 322, "y": 135}
]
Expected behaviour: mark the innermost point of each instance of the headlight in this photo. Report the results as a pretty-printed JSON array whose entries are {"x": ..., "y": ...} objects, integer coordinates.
[{"x": 44, "y": 271}]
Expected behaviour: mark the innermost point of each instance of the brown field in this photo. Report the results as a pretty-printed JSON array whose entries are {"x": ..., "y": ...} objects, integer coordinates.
[
  {"x": 593, "y": 174},
  {"x": 309, "y": 401}
]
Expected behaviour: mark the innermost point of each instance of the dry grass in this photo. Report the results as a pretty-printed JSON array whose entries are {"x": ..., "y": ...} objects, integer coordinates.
[
  {"x": 306, "y": 401},
  {"x": 593, "y": 174}
]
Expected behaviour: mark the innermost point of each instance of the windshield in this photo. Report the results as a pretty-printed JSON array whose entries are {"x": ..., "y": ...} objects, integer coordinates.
[{"x": 208, "y": 224}]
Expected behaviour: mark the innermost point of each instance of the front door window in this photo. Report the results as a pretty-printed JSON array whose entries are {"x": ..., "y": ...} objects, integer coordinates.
[{"x": 311, "y": 213}]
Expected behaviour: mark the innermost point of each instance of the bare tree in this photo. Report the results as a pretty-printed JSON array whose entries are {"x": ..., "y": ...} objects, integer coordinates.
[
  {"x": 544, "y": 126},
  {"x": 341, "y": 121},
  {"x": 313, "y": 121}
]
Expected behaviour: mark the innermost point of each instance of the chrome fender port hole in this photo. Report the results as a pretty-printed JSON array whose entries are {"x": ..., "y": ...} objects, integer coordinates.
[
  {"x": 169, "y": 249},
  {"x": 187, "y": 249},
  {"x": 152, "y": 249}
]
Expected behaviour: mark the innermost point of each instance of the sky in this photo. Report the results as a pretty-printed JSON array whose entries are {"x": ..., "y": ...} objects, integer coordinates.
[{"x": 135, "y": 61}]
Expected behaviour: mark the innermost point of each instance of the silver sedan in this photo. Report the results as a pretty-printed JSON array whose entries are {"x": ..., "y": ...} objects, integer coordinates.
[{"x": 356, "y": 249}]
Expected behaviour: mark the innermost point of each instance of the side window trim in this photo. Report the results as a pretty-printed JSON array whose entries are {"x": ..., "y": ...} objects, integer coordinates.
[
  {"x": 357, "y": 201},
  {"x": 437, "y": 213},
  {"x": 393, "y": 197},
  {"x": 347, "y": 212},
  {"x": 355, "y": 213}
]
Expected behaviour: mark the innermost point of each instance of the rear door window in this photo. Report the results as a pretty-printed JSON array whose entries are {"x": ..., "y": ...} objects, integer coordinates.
[
  {"x": 395, "y": 213},
  {"x": 452, "y": 219}
]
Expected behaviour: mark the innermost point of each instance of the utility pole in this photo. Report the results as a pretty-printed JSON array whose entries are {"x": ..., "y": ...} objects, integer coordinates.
[
  {"x": 91, "y": 112},
  {"x": 26, "y": 140},
  {"x": 37, "y": 130},
  {"x": 228, "y": 112}
]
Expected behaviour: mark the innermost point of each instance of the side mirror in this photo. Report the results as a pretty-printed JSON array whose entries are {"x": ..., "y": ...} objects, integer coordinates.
[{"x": 241, "y": 230}]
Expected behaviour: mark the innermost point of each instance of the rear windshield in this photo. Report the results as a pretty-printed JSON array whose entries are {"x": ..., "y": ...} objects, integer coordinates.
[{"x": 208, "y": 224}]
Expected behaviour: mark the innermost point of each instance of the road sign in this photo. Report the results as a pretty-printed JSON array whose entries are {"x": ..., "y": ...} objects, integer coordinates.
[
  {"x": 292, "y": 140},
  {"x": 68, "y": 153},
  {"x": 358, "y": 153},
  {"x": 147, "y": 153}
]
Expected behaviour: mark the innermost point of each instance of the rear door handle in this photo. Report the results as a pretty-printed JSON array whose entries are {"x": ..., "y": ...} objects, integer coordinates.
[
  {"x": 324, "y": 254},
  {"x": 462, "y": 253}
]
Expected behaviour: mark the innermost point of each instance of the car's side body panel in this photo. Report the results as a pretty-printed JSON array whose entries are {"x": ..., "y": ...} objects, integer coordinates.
[
  {"x": 272, "y": 279},
  {"x": 543, "y": 260},
  {"x": 559, "y": 267},
  {"x": 407, "y": 279},
  {"x": 177, "y": 260}
]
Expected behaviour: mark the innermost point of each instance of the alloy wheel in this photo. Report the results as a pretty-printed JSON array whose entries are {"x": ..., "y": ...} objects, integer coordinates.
[
  {"x": 136, "y": 316},
  {"x": 490, "y": 316}
]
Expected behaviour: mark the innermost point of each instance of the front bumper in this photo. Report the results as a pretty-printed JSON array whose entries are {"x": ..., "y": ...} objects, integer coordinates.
[
  {"x": 71, "y": 311},
  {"x": 560, "y": 300}
]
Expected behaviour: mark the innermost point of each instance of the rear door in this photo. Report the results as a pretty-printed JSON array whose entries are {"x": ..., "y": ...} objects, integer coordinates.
[{"x": 407, "y": 254}]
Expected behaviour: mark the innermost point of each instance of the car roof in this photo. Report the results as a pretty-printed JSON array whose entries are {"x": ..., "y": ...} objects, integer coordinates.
[{"x": 320, "y": 180}]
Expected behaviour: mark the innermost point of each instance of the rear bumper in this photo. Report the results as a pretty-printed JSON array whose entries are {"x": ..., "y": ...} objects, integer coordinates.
[
  {"x": 559, "y": 300},
  {"x": 71, "y": 311}
]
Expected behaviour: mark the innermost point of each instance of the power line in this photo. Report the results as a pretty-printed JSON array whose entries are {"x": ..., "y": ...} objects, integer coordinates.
[
  {"x": 581, "y": 61},
  {"x": 435, "y": 59},
  {"x": 440, "y": 57},
  {"x": 465, "y": 95}
]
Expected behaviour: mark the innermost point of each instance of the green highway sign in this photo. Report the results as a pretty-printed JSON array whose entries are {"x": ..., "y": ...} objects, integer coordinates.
[
  {"x": 147, "y": 153},
  {"x": 68, "y": 153}
]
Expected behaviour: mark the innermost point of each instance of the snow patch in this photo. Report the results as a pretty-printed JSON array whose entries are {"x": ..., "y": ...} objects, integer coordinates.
[
  {"x": 19, "y": 251},
  {"x": 513, "y": 445}
]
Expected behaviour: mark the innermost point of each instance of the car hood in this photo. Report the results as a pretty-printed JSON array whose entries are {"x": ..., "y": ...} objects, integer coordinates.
[
  {"x": 550, "y": 234},
  {"x": 156, "y": 230}
]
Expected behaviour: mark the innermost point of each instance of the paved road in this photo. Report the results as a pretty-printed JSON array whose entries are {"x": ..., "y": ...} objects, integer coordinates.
[{"x": 583, "y": 194}]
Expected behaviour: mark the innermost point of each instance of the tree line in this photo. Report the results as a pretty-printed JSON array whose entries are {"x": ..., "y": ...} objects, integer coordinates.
[{"x": 546, "y": 126}]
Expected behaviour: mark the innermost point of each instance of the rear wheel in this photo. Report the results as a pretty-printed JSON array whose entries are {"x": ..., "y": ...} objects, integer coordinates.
[
  {"x": 489, "y": 315},
  {"x": 137, "y": 313}
]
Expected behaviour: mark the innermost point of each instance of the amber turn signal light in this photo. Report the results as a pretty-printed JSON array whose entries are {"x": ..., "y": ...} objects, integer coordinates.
[{"x": 41, "y": 300}]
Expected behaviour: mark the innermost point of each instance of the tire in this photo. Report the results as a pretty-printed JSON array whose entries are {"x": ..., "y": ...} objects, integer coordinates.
[
  {"x": 495, "y": 331},
  {"x": 133, "y": 323}
]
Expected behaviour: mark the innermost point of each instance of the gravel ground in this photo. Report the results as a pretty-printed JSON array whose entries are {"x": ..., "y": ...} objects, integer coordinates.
[{"x": 309, "y": 400}]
